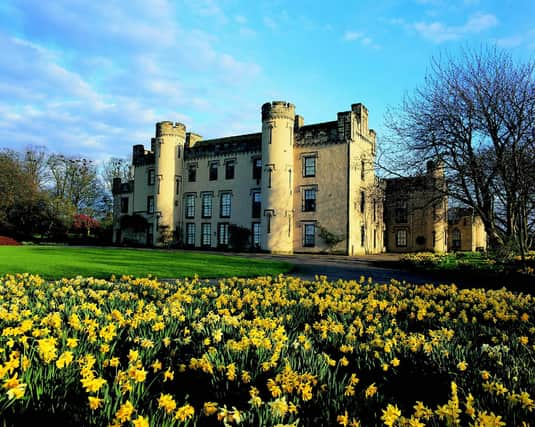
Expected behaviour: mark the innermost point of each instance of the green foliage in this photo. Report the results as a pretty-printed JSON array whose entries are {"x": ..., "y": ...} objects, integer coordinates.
[
  {"x": 239, "y": 237},
  {"x": 331, "y": 239}
]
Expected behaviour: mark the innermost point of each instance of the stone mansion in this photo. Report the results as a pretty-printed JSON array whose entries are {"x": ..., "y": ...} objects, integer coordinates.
[{"x": 294, "y": 187}]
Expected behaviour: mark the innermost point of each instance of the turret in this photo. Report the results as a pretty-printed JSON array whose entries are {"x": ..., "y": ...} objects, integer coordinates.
[
  {"x": 435, "y": 170},
  {"x": 168, "y": 155},
  {"x": 277, "y": 158}
]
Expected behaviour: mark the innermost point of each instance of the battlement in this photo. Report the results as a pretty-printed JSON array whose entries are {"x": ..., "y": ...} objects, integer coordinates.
[
  {"x": 317, "y": 134},
  {"x": 192, "y": 139},
  {"x": 220, "y": 146},
  {"x": 169, "y": 128},
  {"x": 278, "y": 110},
  {"x": 140, "y": 156}
]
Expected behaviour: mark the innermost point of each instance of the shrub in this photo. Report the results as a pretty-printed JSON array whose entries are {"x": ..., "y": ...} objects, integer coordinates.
[{"x": 8, "y": 241}]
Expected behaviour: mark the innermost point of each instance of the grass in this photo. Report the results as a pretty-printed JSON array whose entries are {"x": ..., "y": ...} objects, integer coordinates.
[{"x": 55, "y": 262}]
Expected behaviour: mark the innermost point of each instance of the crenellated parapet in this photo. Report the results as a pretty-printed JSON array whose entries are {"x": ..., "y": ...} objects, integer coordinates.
[
  {"x": 317, "y": 134},
  {"x": 170, "y": 129},
  {"x": 278, "y": 110}
]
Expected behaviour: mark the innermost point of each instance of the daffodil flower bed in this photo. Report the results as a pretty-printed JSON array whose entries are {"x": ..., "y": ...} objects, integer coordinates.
[{"x": 263, "y": 352}]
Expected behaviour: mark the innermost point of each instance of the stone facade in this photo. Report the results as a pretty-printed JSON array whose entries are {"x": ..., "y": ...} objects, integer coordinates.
[
  {"x": 466, "y": 231},
  {"x": 295, "y": 187},
  {"x": 416, "y": 212}
]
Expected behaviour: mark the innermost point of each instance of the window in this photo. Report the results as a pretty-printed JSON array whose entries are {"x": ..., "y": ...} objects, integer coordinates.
[
  {"x": 206, "y": 205},
  {"x": 212, "y": 171},
  {"x": 124, "y": 204},
  {"x": 178, "y": 150},
  {"x": 150, "y": 204},
  {"x": 206, "y": 234},
  {"x": 268, "y": 222},
  {"x": 374, "y": 210},
  {"x": 152, "y": 176},
  {"x": 257, "y": 168},
  {"x": 190, "y": 234},
  {"x": 222, "y": 234},
  {"x": 309, "y": 166},
  {"x": 362, "y": 201},
  {"x": 269, "y": 177},
  {"x": 362, "y": 235},
  {"x": 256, "y": 204},
  {"x": 256, "y": 234},
  {"x": 374, "y": 238},
  {"x": 177, "y": 185},
  {"x": 401, "y": 238},
  {"x": 401, "y": 211},
  {"x": 224, "y": 211},
  {"x": 229, "y": 169},
  {"x": 362, "y": 170},
  {"x": 309, "y": 200},
  {"x": 192, "y": 173},
  {"x": 456, "y": 238},
  {"x": 190, "y": 206},
  {"x": 309, "y": 235}
]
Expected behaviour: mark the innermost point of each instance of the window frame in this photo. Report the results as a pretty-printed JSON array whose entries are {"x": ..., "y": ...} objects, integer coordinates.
[
  {"x": 256, "y": 205},
  {"x": 124, "y": 206},
  {"x": 207, "y": 208},
  {"x": 206, "y": 234},
  {"x": 306, "y": 168},
  {"x": 230, "y": 165},
  {"x": 225, "y": 209},
  {"x": 401, "y": 242},
  {"x": 190, "y": 232},
  {"x": 401, "y": 210},
  {"x": 309, "y": 204},
  {"x": 255, "y": 231},
  {"x": 212, "y": 171},
  {"x": 150, "y": 204},
  {"x": 222, "y": 238},
  {"x": 189, "y": 208},
  {"x": 456, "y": 242},
  {"x": 151, "y": 179},
  {"x": 309, "y": 239},
  {"x": 257, "y": 169},
  {"x": 192, "y": 173}
]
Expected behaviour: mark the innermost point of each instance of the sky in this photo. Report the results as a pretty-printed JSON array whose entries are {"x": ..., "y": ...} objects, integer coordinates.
[{"x": 91, "y": 77}]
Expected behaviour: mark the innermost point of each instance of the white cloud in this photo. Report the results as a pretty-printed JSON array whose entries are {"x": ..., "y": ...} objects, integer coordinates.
[
  {"x": 439, "y": 32},
  {"x": 364, "y": 40},
  {"x": 352, "y": 35},
  {"x": 95, "y": 77}
]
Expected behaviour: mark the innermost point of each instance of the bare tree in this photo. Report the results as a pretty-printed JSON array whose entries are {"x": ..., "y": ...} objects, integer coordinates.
[
  {"x": 115, "y": 167},
  {"x": 476, "y": 113},
  {"x": 74, "y": 180},
  {"x": 35, "y": 164}
]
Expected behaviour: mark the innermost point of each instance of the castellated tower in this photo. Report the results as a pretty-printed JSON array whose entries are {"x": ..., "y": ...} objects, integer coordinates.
[
  {"x": 277, "y": 195},
  {"x": 169, "y": 155}
]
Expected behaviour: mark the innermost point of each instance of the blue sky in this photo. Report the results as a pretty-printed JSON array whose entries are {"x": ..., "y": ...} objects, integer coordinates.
[{"x": 91, "y": 77}]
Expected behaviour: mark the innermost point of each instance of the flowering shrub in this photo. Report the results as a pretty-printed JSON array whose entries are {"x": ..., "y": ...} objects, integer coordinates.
[
  {"x": 8, "y": 241},
  {"x": 267, "y": 351},
  {"x": 458, "y": 260}
]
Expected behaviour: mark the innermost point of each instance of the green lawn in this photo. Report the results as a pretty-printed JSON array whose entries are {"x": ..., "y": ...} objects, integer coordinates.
[{"x": 54, "y": 262}]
